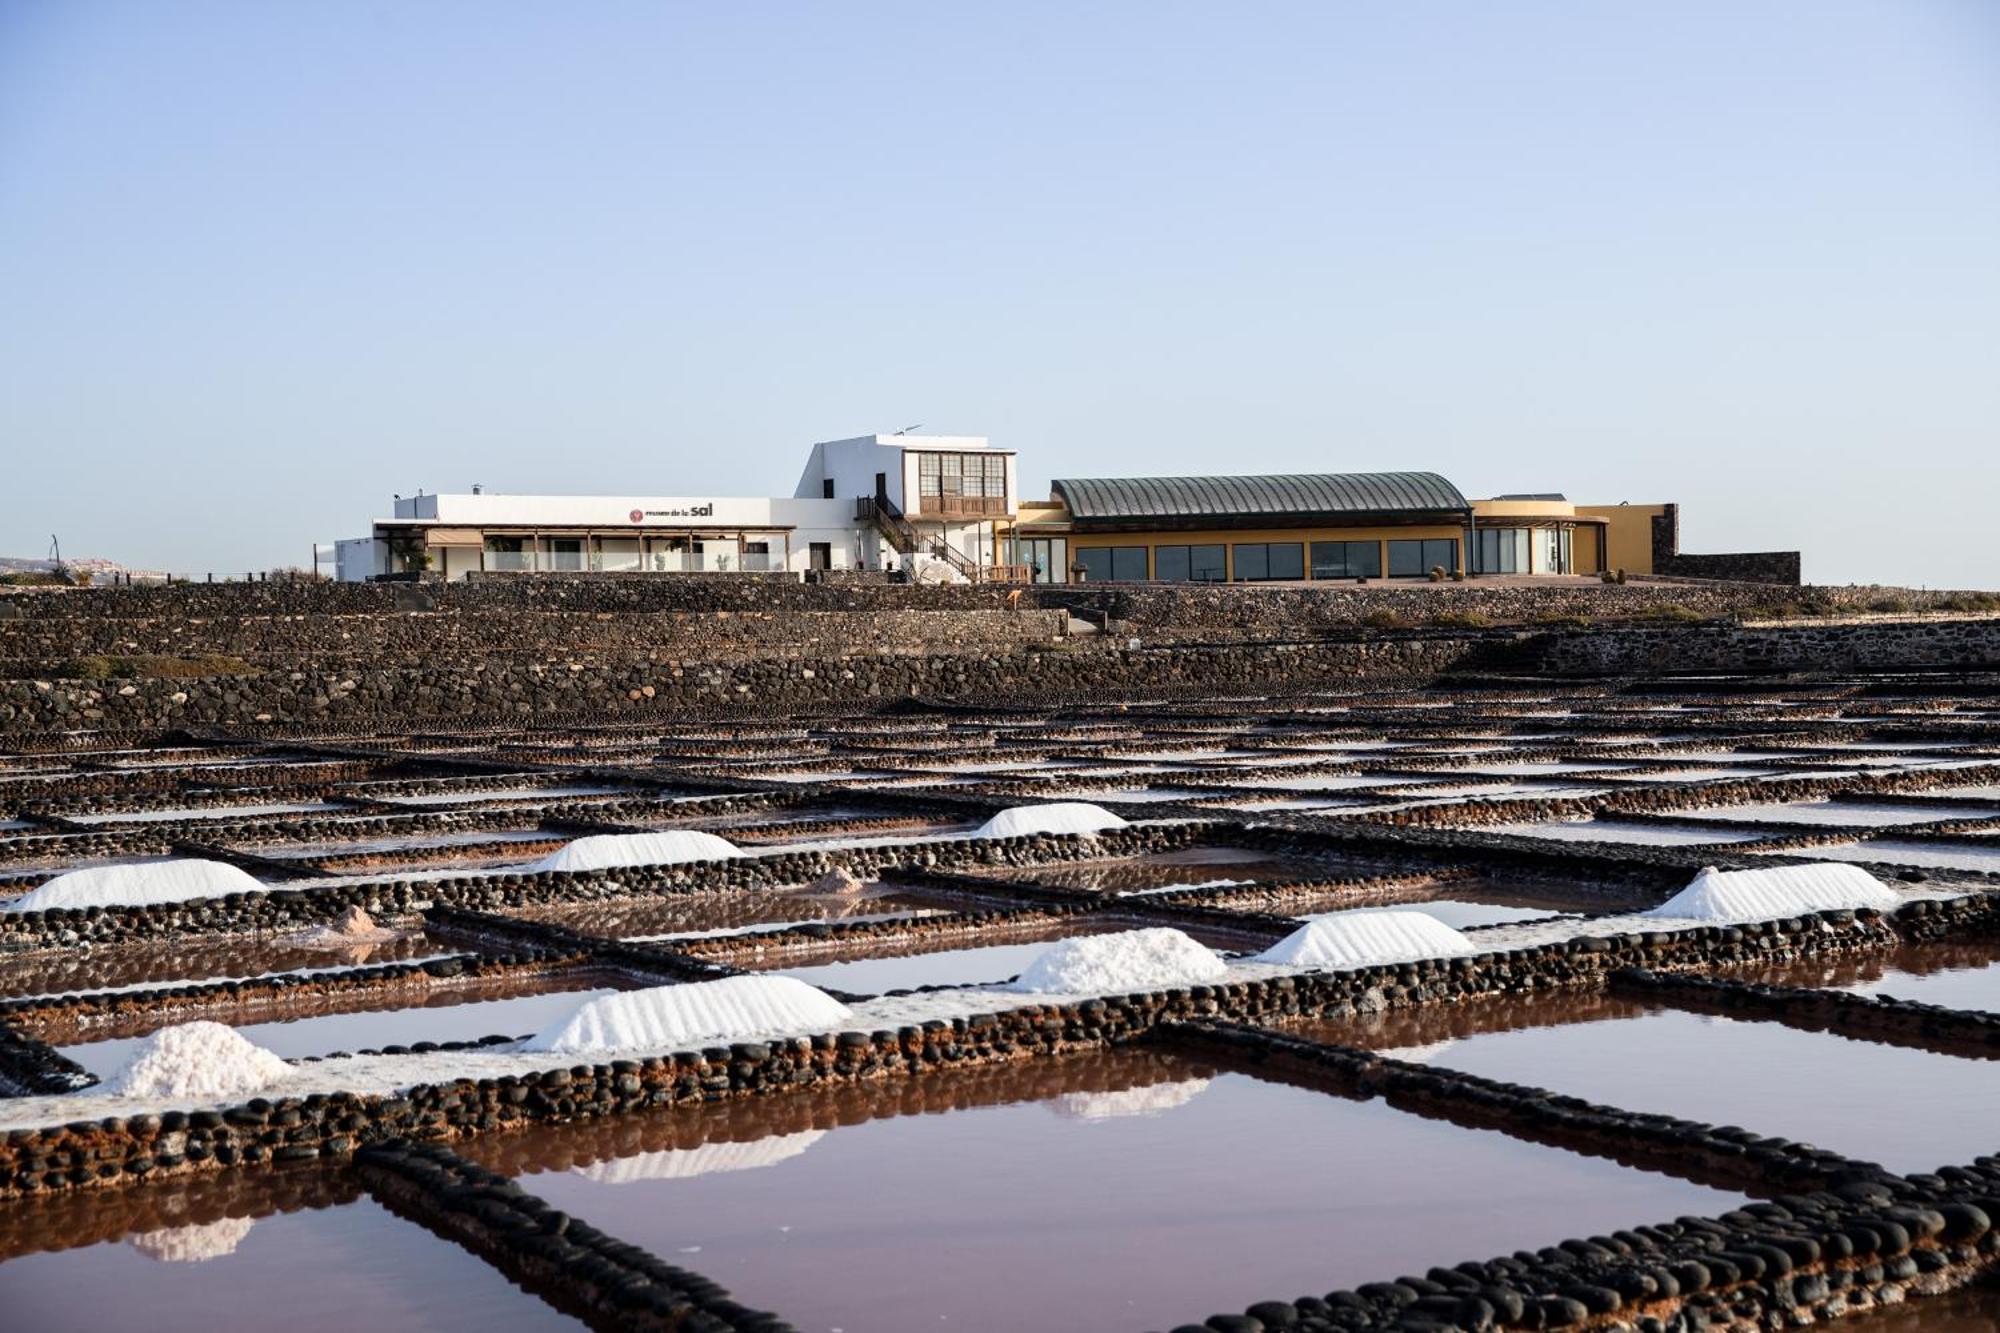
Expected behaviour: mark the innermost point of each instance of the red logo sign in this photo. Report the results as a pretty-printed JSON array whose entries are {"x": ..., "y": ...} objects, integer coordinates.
[{"x": 638, "y": 516}]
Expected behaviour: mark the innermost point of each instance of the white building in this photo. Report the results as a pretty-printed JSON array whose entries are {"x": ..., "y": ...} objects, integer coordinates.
[{"x": 861, "y": 503}]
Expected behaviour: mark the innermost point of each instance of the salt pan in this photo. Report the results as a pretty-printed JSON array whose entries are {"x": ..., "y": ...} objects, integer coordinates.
[
  {"x": 604, "y": 851},
  {"x": 1078, "y": 817},
  {"x": 1367, "y": 939},
  {"x": 1764, "y": 895},
  {"x": 1129, "y": 960},
  {"x": 136, "y": 885},
  {"x": 196, "y": 1060},
  {"x": 731, "y": 1009}
]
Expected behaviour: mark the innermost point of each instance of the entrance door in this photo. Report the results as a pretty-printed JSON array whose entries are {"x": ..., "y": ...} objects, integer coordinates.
[{"x": 819, "y": 555}]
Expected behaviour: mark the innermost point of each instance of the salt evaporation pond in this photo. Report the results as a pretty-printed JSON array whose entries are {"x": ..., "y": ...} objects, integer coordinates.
[
  {"x": 1627, "y": 831},
  {"x": 444, "y": 1016},
  {"x": 48, "y": 972},
  {"x": 1859, "y": 813},
  {"x": 1089, "y": 1208},
  {"x": 1927, "y": 855},
  {"x": 1958, "y": 977},
  {"x": 1160, "y": 870},
  {"x": 206, "y": 812},
  {"x": 317, "y": 1270},
  {"x": 725, "y": 913},
  {"x": 1908, "y": 1110}
]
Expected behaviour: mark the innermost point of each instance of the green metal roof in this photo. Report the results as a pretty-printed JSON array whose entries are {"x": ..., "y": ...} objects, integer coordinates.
[{"x": 1292, "y": 495}]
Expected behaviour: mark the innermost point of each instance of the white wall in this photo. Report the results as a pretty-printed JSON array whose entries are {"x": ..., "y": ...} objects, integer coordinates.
[{"x": 357, "y": 559}]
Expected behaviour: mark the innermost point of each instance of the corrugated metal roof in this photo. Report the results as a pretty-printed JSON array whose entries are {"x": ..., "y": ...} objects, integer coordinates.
[{"x": 1301, "y": 493}]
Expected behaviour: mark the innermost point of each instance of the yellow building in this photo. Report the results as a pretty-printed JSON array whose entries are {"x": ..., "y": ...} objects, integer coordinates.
[{"x": 1319, "y": 526}]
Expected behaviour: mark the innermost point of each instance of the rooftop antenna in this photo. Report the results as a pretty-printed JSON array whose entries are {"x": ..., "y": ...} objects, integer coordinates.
[{"x": 907, "y": 429}]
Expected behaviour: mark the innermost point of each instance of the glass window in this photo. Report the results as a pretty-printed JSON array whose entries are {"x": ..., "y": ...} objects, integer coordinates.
[
  {"x": 1188, "y": 564},
  {"x": 565, "y": 553},
  {"x": 1257, "y": 561},
  {"x": 1500, "y": 551},
  {"x": 1127, "y": 563},
  {"x": 1347, "y": 560},
  {"x": 1413, "y": 559}
]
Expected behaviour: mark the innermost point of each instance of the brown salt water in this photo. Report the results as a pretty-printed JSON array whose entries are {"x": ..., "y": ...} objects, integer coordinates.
[
  {"x": 722, "y": 913},
  {"x": 445, "y": 1016},
  {"x": 322, "y": 1269},
  {"x": 1957, "y": 976},
  {"x": 1105, "y": 1202},
  {"x": 1163, "y": 870},
  {"x": 1909, "y": 1110},
  {"x": 49, "y": 972}
]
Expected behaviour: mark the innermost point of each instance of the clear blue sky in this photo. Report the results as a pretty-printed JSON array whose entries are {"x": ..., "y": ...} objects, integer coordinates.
[{"x": 263, "y": 264}]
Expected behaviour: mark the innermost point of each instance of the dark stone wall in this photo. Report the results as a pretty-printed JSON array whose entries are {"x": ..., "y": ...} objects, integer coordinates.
[{"x": 1884, "y": 646}]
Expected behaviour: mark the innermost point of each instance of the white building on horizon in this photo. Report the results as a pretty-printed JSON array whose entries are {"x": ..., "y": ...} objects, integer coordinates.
[{"x": 862, "y": 503}]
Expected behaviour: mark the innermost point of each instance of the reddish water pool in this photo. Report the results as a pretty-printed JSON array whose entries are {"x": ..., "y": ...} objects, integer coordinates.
[
  {"x": 1103, "y": 1203},
  {"x": 326, "y": 1268},
  {"x": 1909, "y": 1110},
  {"x": 1162, "y": 870}
]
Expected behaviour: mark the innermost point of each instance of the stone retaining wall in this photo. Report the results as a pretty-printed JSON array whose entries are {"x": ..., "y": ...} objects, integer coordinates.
[
  {"x": 1961, "y": 644},
  {"x": 611, "y": 690}
]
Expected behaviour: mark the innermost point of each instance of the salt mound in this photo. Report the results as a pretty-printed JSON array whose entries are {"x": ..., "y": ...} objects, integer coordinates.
[
  {"x": 1154, "y": 1099},
  {"x": 196, "y": 1243},
  {"x": 1055, "y": 817},
  {"x": 137, "y": 885},
  {"x": 1764, "y": 895},
  {"x": 351, "y": 927},
  {"x": 731, "y": 1009},
  {"x": 604, "y": 851},
  {"x": 707, "y": 1159},
  {"x": 840, "y": 882},
  {"x": 1366, "y": 939},
  {"x": 1127, "y": 961},
  {"x": 196, "y": 1060}
]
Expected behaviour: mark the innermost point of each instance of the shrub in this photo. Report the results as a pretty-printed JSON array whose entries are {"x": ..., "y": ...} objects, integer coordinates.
[
  {"x": 1437, "y": 573},
  {"x": 1461, "y": 620},
  {"x": 102, "y": 667},
  {"x": 1673, "y": 613},
  {"x": 1383, "y": 618}
]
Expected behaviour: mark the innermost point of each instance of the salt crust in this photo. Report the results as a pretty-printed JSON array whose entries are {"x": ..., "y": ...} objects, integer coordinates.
[
  {"x": 1153, "y": 1099},
  {"x": 196, "y": 1243},
  {"x": 1780, "y": 891},
  {"x": 1367, "y": 939},
  {"x": 731, "y": 1009},
  {"x": 196, "y": 1060},
  {"x": 707, "y": 1159},
  {"x": 605, "y": 851},
  {"x": 1129, "y": 960},
  {"x": 136, "y": 885},
  {"x": 1056, "y": 817}
]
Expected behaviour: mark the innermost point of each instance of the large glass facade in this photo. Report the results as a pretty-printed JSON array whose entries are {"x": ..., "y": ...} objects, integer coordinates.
[
  {"x": 1108, "y": 563},
  {"x": 1501, "y": 551},
  {"x": 1552, "y": 551},
  {"x": 1347, "y": 560},
  {"x": 1259, "y": 562},
  {"x": 1414, "y": 559},
  {"x": 1189, "y": 564},
  {"x": 961, "y": 483}
]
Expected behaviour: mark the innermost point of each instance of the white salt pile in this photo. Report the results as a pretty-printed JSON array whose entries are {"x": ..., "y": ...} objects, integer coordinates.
[
  {"x": 1130, "y": 960},
  {"x": 1057, "y": 817},
  {"x": 732, "y": 1009},
  {"x": 137, "y": 885},
  {"x": 604, "y": 851},
  {"x": 1155, "y": 1099},
  {"x": 1766, "y": 894},
  {"x": 1367, "y": 939},
  {"x": 195, "y": 1243},
  {"x": 707, "y": 1159},
  {"x": 840, "y": 882},
  {"x": 196, "y": 1060}
]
